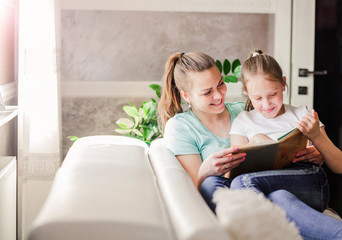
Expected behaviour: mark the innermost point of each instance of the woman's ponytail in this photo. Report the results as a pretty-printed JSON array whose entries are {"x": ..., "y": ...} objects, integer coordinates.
[{"x": 170, "y": 101}]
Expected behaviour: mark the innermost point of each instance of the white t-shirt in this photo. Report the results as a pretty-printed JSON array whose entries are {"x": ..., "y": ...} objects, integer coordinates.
[{"x": 250, "y": 123}]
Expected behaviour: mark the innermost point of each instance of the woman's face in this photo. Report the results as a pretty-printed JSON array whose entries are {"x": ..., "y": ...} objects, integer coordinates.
[
  {"x": 208, "y": 91},
  {"x": 266, "y": 95}
]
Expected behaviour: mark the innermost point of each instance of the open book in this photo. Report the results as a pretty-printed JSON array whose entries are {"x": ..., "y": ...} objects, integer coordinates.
[{"x": 271, "y": 155}]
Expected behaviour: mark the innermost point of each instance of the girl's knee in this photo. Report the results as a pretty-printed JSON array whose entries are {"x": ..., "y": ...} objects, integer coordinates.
[{"x": 281, "y": 197}]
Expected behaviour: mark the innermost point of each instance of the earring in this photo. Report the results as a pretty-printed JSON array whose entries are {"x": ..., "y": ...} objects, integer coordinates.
[{"x": 189, "y": 104}]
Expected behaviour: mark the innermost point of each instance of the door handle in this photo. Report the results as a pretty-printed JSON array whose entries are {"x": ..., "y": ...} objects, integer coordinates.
[{"x": 304, "y": 72}]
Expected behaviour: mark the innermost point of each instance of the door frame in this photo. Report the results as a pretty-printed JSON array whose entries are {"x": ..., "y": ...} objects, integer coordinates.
[{"x": 303, "y": 51}]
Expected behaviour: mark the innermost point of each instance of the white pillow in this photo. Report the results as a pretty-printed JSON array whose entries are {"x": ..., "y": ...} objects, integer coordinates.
[{"x": 246, "y": 215}]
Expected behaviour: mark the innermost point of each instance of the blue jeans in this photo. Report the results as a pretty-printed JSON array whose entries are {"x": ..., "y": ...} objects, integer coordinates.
[
  {"x": 307, "y": 181},
  {"x": 312, "y": 224},
  {"x": 209, "y": 186},
  {"x": 286, "y": 187}
]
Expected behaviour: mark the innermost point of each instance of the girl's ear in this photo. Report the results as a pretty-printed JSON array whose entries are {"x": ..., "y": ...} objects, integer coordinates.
[
  {"x": 185, "y": 96},
  {"x": 284, "y": 84}
]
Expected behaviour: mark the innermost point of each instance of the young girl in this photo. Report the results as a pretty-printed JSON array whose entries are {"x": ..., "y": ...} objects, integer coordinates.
[{"x": 268, "y": 118}]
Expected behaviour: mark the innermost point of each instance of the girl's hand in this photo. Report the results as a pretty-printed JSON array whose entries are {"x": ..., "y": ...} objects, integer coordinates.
[
  {"x": 220, "y": 163},
  {"x": 309, "y": 126},
  {"x": 309, "y": 154}
]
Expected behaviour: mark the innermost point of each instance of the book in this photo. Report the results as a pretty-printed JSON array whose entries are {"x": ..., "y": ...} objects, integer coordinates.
[{"x": 270, "y": 155}]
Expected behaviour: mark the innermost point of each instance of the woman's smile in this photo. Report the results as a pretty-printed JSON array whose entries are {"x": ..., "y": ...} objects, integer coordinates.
[{"x": 217, "y": 104}]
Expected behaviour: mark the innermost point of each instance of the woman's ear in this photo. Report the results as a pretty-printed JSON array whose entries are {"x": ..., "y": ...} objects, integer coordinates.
[{"x": 185, "y": 96}]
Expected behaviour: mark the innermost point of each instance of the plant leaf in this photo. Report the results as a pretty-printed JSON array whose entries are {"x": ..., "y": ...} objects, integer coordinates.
[
  {"x": 226, "y": 67},
  {"x": 125, "y": 123},
  {"x": 73, "y": 138},
  {"x": 231, "y": 79},
  {"x": 137, "y": 132},
  {"x": 131, "y": 111},
  {"x": 122, "y": 131},
  {"x": 226, "y": 79},
  {"x": 137, "y": 121},
  {"x": 141, "y": 112},
  {"x": 237, "y": 71},
  {"x": 147, "y": 107},
  {"x": 156, "y": 88},
  {"x": 219, "y": 65},
  {"x": 235, "y": 64}
]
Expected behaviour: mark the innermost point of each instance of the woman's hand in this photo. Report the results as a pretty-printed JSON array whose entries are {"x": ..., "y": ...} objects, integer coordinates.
[
  {"x": 309, "y": 154},
  {"x": 220, "y": 163}
]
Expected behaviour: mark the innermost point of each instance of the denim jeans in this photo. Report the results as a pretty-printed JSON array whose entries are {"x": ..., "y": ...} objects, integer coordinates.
[
  {"x": 293, "y": 189},
  {"x": 209, "y": 186},
  {"x": 312, "y": 224},
  {"x": 307, "y": 181}
]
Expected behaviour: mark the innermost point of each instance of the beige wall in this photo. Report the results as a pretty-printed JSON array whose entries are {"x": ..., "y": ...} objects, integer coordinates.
[{"x": 133, "y": 46}]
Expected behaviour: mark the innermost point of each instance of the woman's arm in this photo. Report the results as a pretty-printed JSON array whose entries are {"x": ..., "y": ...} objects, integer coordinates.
[
  {"x": 216, "y": 164},
  {"x": 309, "y": 126}
]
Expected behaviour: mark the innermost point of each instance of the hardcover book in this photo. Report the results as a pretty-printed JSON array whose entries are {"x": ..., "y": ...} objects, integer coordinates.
[{"x": 271, "y": 155}]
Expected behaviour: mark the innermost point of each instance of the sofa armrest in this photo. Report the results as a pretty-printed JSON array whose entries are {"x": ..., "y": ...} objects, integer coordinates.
[
  {"x": 190, "y": 215},
  {"x": 105, "y": 189}
]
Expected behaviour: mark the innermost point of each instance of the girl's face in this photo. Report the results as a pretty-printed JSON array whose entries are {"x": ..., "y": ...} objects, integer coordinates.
[
  {"x": 266, "y": 95},
  {"x": 207, "y": 93}
]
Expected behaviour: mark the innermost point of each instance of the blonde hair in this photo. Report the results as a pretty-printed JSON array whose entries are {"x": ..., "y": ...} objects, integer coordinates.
[
  {"x": 260, "y": 63},
  {"x": 176, "y": 79}
]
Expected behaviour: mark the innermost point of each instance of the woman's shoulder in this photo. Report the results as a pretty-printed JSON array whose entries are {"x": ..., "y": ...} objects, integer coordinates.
[
  {"x": 181, "y": 117},
  {"x": 180, "y": 122}
]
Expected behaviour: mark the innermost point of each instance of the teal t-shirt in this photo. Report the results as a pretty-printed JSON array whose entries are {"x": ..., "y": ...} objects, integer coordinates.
[{"x": 184, "y": 134}]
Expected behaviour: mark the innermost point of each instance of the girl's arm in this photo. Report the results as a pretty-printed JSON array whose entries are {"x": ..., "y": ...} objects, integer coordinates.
[
  {"x": 239, "y": 140},
  {"x": 216, "y": 164},
  {"x": 309, "y": 126}
]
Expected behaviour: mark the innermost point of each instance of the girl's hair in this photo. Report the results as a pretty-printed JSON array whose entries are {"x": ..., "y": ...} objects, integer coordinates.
[
  {"x": 176, "y": 79},
  {"x": 260, "y": 63}
]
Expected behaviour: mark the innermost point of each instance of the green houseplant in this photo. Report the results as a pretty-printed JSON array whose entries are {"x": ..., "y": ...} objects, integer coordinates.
[
  {"x": 143, "y": 123},
  {"x": 227, "y": 67}
]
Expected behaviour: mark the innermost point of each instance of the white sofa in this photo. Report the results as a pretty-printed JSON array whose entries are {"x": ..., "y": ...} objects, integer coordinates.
[{"x": 113, "y": 187}]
